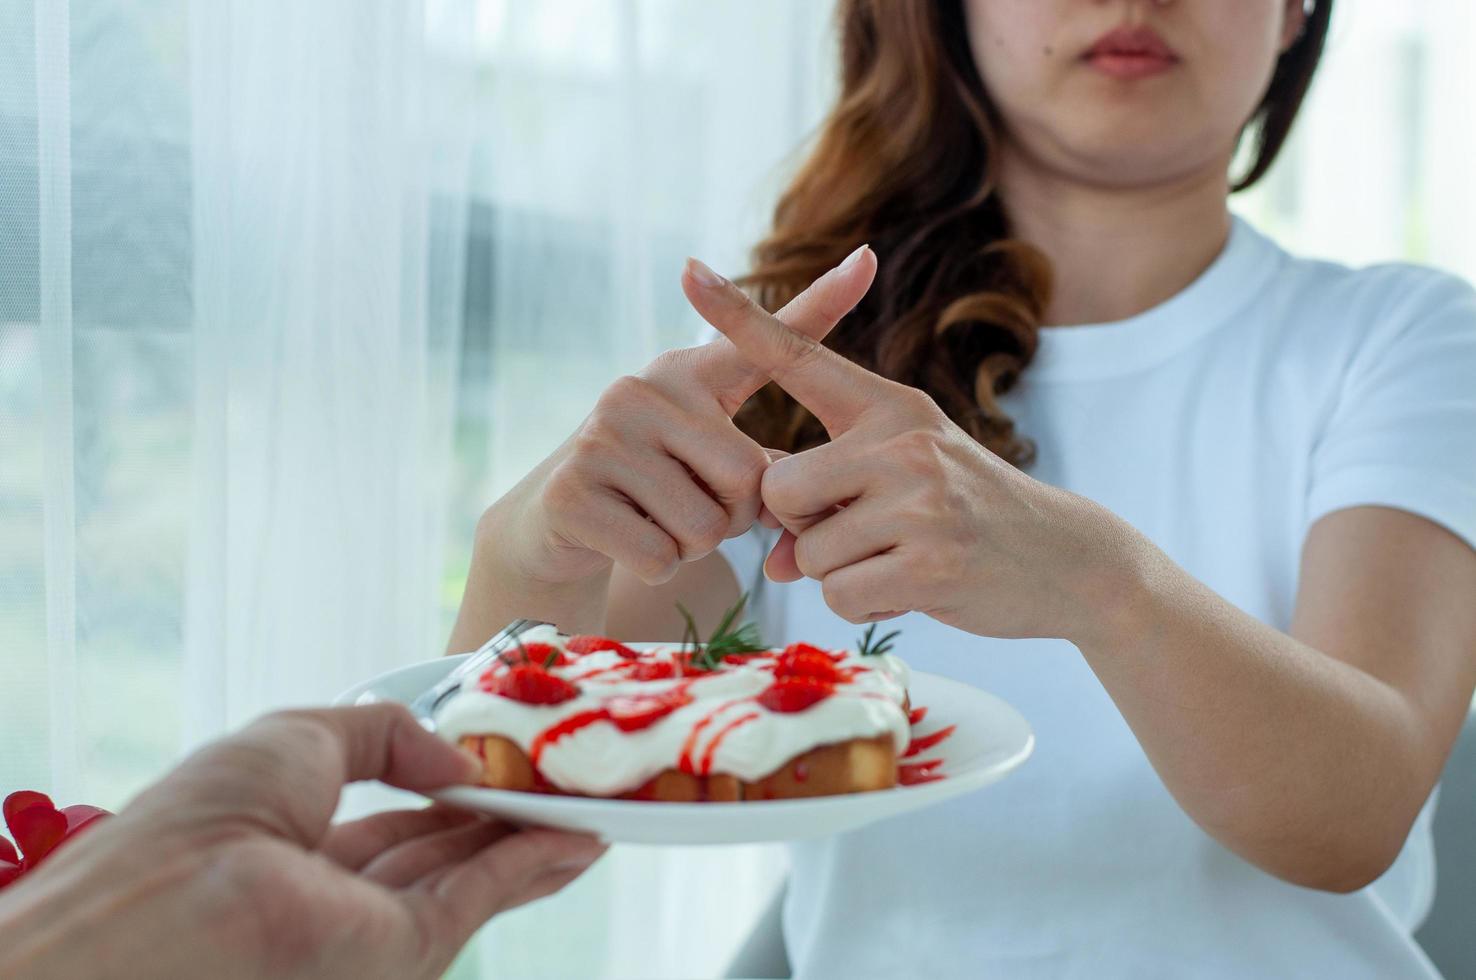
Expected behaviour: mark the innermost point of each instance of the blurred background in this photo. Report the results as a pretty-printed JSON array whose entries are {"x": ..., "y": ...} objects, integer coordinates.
[{"x": 290, "y": 291}]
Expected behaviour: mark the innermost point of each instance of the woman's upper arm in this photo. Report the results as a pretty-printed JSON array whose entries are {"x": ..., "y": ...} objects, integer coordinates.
[
  {"x": 1394, "y": 594},
  {"x": 1388, "y": 580}
]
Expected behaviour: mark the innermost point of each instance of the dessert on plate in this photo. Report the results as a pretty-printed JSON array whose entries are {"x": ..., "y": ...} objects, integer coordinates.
[{"x": 725, "y": 720}]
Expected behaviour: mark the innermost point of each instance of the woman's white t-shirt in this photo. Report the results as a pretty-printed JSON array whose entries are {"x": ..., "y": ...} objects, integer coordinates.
[{"x": 1221, "y": 424}]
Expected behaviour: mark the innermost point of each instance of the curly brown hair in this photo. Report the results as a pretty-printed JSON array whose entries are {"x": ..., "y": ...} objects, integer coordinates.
[{"x": 905, "y": 162}]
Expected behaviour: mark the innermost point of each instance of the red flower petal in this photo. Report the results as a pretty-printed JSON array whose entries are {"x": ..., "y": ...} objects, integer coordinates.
[
  {"x": 79, "y": 815},
  {"x": 7, "y": 852},
  {"x": 37, "y": 829},
  {"x": 9, "y": 871},
  {"x": 22, "y": 799}
]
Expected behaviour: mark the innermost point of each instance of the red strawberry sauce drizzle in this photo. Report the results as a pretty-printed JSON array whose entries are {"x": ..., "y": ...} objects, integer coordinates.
[
  {"x": 911, "y": 774},
  {"x": 644, "y": 669},
  {"x": 623, "y": 667},
  {"x": 597, "y": 644},
  {"x": 717, "y": 738},
  {"x": 684, "y": 762},
  {"x": 920, "y": 745},
  {"x": 629, "y": 714},
  {"x": 568, "y": 726},
  {"x": 634, "y": 712},
  {"x": 917, "y": 715}
]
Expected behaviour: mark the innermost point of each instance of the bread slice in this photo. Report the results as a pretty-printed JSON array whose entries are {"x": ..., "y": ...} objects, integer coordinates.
[
  {"x": 855, "y": 766},
  {"x": 859, "y": 765}
]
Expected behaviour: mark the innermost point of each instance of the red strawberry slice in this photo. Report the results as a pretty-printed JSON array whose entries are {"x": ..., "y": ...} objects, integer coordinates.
[
  {"x": 545, "y": 655},
  {"x": 807, "y": 663},
  {"x": 798, "y": 649},
  {"x": 598, "y": 644},
  {"x": 653, "y": 670},
  {"x": 530, "y": 684},
  {"x": 8, "y": 854},
  {"x": 791, "y": 694},
  {"x": 634, "y": 712},
  {"x": 37, "y": 830}
]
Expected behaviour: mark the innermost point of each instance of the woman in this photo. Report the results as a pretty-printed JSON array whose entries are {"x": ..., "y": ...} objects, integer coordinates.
[{"x": 1203, "y": 511}]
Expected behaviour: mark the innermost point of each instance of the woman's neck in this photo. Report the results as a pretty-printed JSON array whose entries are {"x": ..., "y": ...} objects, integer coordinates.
[{"x": 1116, "y": 253}]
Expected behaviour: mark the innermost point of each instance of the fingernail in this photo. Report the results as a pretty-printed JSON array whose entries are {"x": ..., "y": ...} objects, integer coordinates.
[
  {"x": 579, "y": 863},
  {"x": 854, "y": 257},
  {"x": 703, "y": 275}
]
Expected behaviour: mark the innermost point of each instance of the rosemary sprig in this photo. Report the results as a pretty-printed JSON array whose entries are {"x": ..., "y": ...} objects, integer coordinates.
[
  {"x": 725, "y": 641},
  {"x": 879, "y": 647},
  {"x": 691, "y": 639},
  {"x": 523, "y": 657},
  {"x": 506, "y": 656}
]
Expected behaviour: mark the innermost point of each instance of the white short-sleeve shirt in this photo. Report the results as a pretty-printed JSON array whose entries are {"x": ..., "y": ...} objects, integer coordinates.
[{"x": 1221, "y": 424}]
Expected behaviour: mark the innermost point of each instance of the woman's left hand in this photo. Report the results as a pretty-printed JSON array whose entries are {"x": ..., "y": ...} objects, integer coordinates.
[{"x": 902, "y": 510}]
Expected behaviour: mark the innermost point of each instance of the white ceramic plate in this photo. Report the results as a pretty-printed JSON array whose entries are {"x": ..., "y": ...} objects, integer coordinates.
[{"x": 991, "y": 740}]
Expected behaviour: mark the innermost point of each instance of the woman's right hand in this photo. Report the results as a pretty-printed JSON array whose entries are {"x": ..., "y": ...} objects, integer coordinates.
[{"x": 658, "y": 474}]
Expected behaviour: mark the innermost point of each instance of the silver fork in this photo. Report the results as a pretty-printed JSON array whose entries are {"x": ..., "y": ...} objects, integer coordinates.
[{"x": 424, "y": 707}]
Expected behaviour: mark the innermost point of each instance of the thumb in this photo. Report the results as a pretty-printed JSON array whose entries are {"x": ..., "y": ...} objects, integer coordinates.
[
  {"x": 377, "y": 741},
  {"x": 766, "y": 516},
  {"x": 285, "y": 771},
  {"x": 780, "y": 566}
]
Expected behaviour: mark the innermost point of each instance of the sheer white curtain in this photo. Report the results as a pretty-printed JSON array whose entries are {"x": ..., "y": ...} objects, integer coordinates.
[
  {"x": 290, "y": 291},
  {"x": 330, "y": 158},
  {"x": 234, "y": 237},
  {"x": 1380, "y": 165}
]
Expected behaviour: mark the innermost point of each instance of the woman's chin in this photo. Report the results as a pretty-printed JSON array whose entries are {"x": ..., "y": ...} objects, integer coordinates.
[{"x": 1140, "y": 154}]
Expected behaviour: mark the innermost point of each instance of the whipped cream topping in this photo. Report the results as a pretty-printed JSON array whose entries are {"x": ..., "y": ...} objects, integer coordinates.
[{"x": 600, "y": 759}]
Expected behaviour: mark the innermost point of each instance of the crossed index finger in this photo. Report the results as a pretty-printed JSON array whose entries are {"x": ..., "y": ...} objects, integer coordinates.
[
  {"x": 722, "y": 369},
  {"x": 833, "y": 388}
]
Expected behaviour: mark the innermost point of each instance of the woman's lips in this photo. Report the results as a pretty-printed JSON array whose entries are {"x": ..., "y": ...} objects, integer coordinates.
[{"x": 1131, "y": 53}]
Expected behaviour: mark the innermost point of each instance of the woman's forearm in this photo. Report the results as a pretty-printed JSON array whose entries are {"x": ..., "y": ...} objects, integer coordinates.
[
  {"x": 1301, "y": 763},
  {"x": 498, "y": 592}
]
